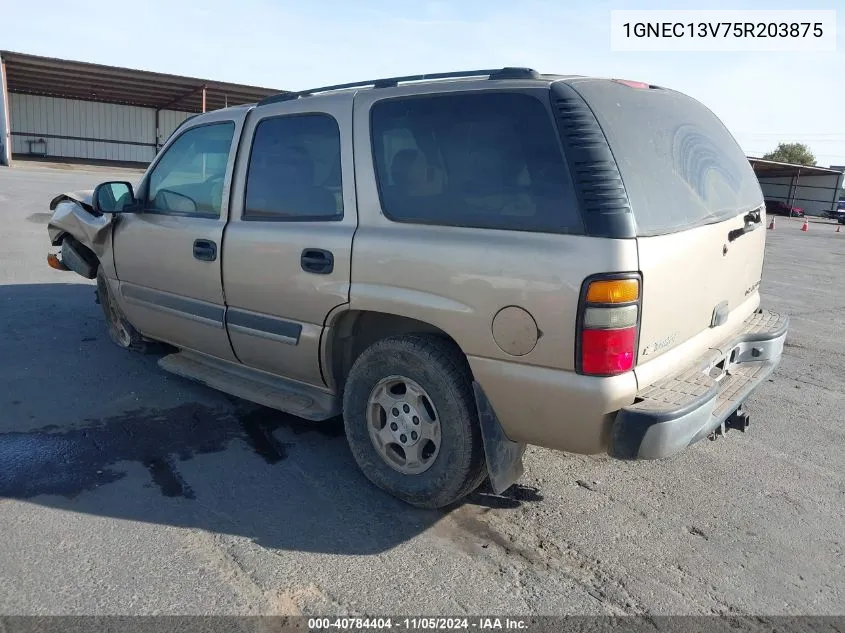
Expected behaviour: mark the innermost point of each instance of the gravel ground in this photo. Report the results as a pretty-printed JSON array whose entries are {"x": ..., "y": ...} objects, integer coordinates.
[{"x": 127, "y": 491}]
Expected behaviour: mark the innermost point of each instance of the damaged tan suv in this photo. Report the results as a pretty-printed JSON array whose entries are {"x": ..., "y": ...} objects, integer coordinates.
[{"x": 459, "y": 263}]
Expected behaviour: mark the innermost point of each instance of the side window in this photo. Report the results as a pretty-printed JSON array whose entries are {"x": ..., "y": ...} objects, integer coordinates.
[
  {"x": 294, "y": 170},
  {"x": 189, "y": 177},
  {"x": 485, "y": 160}
]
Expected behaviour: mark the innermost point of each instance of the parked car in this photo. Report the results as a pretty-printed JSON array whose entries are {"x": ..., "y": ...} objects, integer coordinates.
[
  {"x": 460, "y": 264},
  {"x": 778, "y": 207},
  {"x": 839, "y": 212}
]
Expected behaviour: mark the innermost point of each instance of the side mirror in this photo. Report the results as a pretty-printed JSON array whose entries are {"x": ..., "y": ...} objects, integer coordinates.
[{"x": 113, "y": 197}]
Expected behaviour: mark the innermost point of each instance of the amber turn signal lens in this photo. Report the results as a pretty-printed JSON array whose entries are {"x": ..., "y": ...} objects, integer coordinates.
[
  {"x": 55, "y": 262},
  {"x": 613, "y": 291}
]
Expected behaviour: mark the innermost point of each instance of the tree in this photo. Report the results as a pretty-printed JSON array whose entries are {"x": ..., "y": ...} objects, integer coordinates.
[{"x": 796, "y": 153}]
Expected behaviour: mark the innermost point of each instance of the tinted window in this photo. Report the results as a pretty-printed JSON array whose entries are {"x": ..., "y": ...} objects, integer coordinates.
[
  {"x": 294, "y": 170},
  {"x": 680, "y": 165},
  {"x": 189, "y": 177},
  {"x": 489, "y": 160}
]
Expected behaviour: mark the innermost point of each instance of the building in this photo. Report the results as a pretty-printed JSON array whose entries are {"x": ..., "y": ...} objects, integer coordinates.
[
  {"x": 70, "y": 110},
  {"x": 814, "y": 189},
  {"x": 842, "y": 190}
]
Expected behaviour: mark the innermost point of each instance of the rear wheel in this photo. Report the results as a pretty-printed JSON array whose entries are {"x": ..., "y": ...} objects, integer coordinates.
[
  {"x": 119, "y": 328},
  {"x": 411, "y": 420}
]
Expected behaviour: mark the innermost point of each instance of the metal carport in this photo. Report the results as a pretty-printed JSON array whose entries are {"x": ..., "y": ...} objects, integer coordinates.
[
  {"x": 76, "y": 110},
  {"x": 814, "y": 189}
]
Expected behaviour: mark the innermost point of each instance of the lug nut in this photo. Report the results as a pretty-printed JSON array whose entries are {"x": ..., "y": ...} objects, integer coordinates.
[
  {"x": 393, "y": 426},
  {"x": 406, "y": 408},
  {"x": 395, "y": 411},
  {"x": 416, "y": 420},
  {"x": 413, "y": 435},
  {"x": 403, "y": 438}
]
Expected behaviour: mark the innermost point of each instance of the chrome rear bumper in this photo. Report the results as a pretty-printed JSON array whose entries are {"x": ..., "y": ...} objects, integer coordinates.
[{"x": 682, "y": 409}]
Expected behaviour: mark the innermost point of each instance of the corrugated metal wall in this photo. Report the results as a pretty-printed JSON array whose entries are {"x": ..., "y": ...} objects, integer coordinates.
[
  {"x": 814, "y": 194},
  {"x": 168, "y": 120},
  {"x": 87, "y": 129}
]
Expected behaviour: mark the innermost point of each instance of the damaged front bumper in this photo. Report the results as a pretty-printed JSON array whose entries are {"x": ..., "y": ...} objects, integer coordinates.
[
  {"x": 81, "y": 233},
  {"x": 707, "y": 396}
]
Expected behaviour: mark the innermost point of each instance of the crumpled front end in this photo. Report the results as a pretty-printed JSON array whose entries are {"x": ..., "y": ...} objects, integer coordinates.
[
  {"x": 74, "y": 215},
  {"x": 82, "y": 234}
]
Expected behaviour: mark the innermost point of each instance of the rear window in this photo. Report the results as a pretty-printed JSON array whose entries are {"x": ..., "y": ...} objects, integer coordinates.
[
  {"x": 680, "y": 165},
  {"x": 485, "y": 160}
]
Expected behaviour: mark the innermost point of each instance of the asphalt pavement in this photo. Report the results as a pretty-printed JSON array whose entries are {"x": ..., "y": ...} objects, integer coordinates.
[{"x": 125, "y": 490}]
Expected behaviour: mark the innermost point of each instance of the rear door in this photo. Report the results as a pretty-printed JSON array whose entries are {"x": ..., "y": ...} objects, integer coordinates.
[
  {"x": 695, "y": 199},
  {"x": 287, "y": 252},
  {"x": 167, "y": 256}
]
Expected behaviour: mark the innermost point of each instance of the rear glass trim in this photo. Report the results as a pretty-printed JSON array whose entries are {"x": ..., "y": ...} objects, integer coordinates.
[{"x": 599, "y": 186}]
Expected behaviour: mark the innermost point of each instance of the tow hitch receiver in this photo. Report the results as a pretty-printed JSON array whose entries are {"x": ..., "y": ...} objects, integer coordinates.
[{"x": 738, "y": 420}]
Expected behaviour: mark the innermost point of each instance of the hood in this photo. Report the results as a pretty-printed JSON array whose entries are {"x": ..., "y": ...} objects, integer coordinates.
[{"x": 84, "y": 197}]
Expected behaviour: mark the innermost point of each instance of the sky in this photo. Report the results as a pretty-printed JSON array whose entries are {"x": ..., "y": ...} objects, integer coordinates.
[{"x": 763, "y": 98}]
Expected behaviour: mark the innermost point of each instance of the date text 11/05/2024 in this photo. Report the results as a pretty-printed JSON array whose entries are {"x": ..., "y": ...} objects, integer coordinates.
[{"x": 416, "y": 624}]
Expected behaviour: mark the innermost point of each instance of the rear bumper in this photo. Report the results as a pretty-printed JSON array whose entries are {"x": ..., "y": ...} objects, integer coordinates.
[{"x": 682, "y": 409}]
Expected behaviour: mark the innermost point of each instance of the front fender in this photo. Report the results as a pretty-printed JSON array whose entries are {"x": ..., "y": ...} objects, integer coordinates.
[{"x": 74, "y": 215}]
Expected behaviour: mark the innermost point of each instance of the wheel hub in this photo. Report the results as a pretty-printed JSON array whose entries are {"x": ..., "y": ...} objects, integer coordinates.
[{"x": 403, "y": 425}]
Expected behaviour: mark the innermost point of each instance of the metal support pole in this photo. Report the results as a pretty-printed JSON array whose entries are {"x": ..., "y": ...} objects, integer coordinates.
[
  {"x": 5, "y": 119},
  {"x": 791, "y": 192},
  {"x": 794, "y": 191},
  {"x": 158, "y": 134},
  {"x": 203, "y": 98}
]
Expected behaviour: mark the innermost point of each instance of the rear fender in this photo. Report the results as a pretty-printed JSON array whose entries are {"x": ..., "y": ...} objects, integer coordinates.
[{"x": 74, "y": 215}]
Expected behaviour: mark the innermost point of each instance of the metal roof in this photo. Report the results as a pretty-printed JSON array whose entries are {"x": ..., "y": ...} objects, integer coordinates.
[
  {"x": 774, "y": 168},
  {"x": 32, "y": 74}
]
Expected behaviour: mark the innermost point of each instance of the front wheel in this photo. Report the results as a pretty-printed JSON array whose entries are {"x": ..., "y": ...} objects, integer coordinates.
[
  {"x": 120, "y": 329},
  {"x": 411, "y": 420}
]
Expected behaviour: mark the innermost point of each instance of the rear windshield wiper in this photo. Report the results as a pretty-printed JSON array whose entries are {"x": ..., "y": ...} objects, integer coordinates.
[{"x": 752, "y": 221}]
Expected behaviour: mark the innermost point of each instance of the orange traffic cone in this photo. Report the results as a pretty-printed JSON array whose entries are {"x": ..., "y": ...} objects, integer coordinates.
[
  {"x": 772, "y": 225},
  {"x": 806, "y": 226}
]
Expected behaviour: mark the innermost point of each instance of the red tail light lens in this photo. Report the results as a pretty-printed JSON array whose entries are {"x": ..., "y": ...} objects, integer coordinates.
[
  {"x": 608, "y": 352},
  {"x": 609, "y": 323}
]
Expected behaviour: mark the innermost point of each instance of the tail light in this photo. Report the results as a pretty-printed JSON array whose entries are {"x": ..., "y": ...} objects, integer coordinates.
[{"x": 608, "y": 324}]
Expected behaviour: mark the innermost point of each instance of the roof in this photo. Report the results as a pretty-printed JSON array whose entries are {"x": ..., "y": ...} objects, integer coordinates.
[
  {"x": 773, "y": 168},
  {"x": 32, "y": 74},
  {"x": 510, "y": 72}
]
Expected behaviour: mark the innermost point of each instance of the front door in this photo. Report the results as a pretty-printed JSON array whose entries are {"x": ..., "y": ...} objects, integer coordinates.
[{"x": 167, "y": 256}]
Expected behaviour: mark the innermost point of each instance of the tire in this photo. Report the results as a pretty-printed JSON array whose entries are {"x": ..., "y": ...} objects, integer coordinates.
[
  {"x": 121, "y": 331},
  {"x": 436, "y": 365}
]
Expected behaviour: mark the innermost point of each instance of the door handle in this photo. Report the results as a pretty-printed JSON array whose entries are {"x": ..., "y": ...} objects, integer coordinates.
[
  {"x": 205, "y": 250},
  {"x": 317, "y": 260}
]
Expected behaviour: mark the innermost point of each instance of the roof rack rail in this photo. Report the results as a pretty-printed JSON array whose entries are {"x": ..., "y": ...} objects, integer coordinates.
[{"x": 389, "y": 82}]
